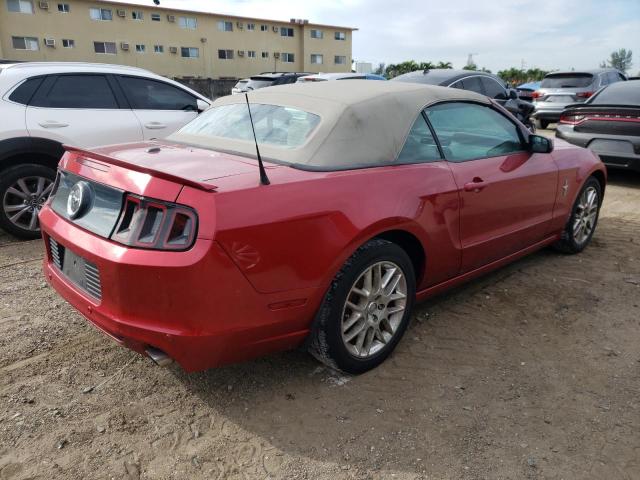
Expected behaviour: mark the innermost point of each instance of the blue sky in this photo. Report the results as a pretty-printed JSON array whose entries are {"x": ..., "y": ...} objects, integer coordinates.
[{"x": 549, "y": 34}]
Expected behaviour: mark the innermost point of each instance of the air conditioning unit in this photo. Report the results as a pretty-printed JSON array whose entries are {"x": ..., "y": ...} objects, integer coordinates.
[
  {"x": 171, "y": 18},
  {"x": 173, "y": 49},
  {"x": 240, "y": 25},
  {"x": 50, "y": 42},
  {"x": 121, "y": 13},
  {"x": 276, "y": 29},
  {"x": 276, "y": 55},
  {"x": 241, "y": 53},
  {"x": 44, "y": 5},
  {"x": 124, "y": 45}
]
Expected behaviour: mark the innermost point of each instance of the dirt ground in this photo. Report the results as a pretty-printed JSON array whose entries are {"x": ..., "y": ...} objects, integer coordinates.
[{"x": 532, "y": 372}]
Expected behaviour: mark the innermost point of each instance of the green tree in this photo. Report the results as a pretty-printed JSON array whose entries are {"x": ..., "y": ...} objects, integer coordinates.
[
  {"x": 444, "y": 65},
  {"x": 380, "y": 69},
  {"x": 394, "y": 70},
  {"x": 620, "y": 59}
]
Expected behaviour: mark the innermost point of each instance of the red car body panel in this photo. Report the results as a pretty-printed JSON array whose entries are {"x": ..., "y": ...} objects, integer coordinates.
[{"x": 265, "y": 255}]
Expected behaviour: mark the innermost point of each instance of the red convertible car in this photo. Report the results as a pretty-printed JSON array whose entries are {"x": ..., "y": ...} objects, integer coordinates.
[{"x": 363, "y": 198}]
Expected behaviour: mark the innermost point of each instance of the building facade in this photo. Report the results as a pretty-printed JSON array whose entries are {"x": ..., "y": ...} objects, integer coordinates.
[{"x": 170, "y": 42}]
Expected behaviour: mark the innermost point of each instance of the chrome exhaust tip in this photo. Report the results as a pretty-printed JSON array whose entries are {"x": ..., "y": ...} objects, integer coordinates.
[{"x": 159, "y": 357}]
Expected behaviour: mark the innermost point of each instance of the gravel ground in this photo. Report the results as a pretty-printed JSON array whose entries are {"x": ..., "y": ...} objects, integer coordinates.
[{"x": 531, "y": 372}]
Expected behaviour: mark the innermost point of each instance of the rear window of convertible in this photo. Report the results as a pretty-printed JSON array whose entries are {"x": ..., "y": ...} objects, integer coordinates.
[{"x": 275, "y": 125}]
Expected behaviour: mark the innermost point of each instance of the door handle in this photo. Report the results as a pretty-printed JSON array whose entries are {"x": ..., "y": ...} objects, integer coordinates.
[
  {"x": 477, "y": 185},
  {"x": 52, "y": 124},
  {"x": 154, "y": 125}
]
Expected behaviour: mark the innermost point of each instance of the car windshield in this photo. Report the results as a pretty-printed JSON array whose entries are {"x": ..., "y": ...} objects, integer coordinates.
[
  {"x": 275, "y": 125},
  {"x": 256, "y": 83},
  {"x": 241, "y": 83},
  {"x": 567, "y": 80},
  {"x": 620, "y": 93}
]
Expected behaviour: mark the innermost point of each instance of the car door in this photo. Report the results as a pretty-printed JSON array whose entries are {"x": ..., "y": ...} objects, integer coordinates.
[
  {"x": 493, "y": 89},
  {"x": 507, "y": 193},
  {"x": 82, "y": 110},
  {"x": 160, "y": 107}
]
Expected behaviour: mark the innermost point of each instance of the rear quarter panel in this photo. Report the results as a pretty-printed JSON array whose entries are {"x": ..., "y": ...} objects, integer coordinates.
[{"x": 298, "y": 234}]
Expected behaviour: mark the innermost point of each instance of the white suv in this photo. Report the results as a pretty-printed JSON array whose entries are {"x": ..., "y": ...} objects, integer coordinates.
[{"x": 46, "y": 105}]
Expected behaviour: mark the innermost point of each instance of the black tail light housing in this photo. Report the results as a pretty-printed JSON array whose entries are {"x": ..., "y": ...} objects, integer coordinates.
[{"x": 156, "y": 225}]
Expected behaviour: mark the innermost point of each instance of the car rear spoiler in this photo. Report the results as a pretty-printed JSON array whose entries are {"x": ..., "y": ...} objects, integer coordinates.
[{"x": 207, "y": 187}]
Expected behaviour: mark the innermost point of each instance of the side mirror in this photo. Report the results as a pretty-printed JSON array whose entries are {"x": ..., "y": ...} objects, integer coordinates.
[
  {"x": 202, "y": 105},
  {"x": 513, "y": 95},
  {"x": 540, "y": 144}
]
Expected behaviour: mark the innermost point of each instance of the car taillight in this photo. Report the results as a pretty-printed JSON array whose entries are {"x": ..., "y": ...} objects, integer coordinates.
[
  {"x": 154, "y": 224},
  {"x": 571, "y": 119},
  {"x": 536, "y": 95},
  {"x": 584, "y": 94}
]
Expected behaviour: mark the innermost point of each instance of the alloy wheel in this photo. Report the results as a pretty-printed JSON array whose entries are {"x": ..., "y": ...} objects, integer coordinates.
[
  {"x": 24, "y": 199},
  {"x": 584, "y": 221},
  {"x": 374, "y": 309}
]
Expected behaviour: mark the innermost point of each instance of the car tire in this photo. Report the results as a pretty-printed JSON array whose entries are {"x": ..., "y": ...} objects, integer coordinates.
[
  {"x": 543, "y": 124},
  {"x": 23, "y": 191},
  {"x": 359, "y": 301},
  {"x": 582, "y": 223}
]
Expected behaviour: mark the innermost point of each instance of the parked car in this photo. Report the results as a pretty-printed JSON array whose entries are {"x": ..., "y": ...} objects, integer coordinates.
[
  {"x": 525, "y": 91},
  {"x": 608, "y": 124},
  {"x": 323, "y": 77},
  {"x": 270, "y": 79},
  {"x": 240, "y": 87},
  {"x": 368, "y": 201},
  {"x": 47, "y": 105},
  {"x": 559, "y": 89},
  {"x": 480, "y": 82}
]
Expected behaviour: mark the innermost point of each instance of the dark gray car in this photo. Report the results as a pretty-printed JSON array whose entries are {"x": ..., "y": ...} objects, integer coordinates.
[
  {"x": 559, "y": 89},
  {"x": 608, "y": 124}
]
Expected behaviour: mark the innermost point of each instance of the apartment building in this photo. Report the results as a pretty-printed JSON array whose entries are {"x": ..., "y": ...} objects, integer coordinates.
[{"x": 170, "y": 42}]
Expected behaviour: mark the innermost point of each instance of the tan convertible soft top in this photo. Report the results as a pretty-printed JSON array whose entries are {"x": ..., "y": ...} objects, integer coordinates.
[{"x": 363, "y": 122}]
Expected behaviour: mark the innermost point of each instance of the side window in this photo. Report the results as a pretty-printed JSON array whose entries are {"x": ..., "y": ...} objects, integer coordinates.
[
  {"x": 474, "y": 84},
  {"x": 493, "y": 89},
  {"x": 146, "y": 94},
  {"x": 458, "y": 84},
  {"x": 420, "y": 146},
  {"x": 24, "y": 92},
  {"x": 77, "y": 91},
  {"x": 469, "y": 131},
  {"x": 605, "y": 79},
  {"x": 613, "y": 77}
]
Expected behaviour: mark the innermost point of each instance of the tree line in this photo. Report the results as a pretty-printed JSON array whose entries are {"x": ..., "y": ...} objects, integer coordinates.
[{"x": 620, "y": 59}]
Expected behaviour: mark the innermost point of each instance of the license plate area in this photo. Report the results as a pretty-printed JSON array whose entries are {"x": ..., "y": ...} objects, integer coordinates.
[{"x": 75, "y": 268}]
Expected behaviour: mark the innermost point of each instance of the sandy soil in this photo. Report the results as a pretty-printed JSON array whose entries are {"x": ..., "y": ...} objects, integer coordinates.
[{"x": 532, "y": 372}]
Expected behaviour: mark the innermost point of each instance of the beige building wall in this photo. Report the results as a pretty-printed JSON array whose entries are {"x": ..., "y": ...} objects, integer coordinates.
[{"x": 77, "y": 25}]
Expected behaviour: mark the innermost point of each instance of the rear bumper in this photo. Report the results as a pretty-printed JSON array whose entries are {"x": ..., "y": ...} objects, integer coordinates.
[
  {"x": 551, "y": 114},
  {"x": 614, "y": 151},
  {"x": 196, "y": 306}
]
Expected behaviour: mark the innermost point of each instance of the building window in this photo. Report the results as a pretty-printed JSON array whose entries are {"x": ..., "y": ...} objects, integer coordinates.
[
  {"x": 20, "y": 6},
  {"x": 188, "y": 22},
  {"x": 140, "y": 48},
  {"x": 317, "y": 34},
  {"x": 100, "y": 14},
  {"x": 251, "y": 26},
  {"x": 189, "y": 52},
  {"x": 317, "y": 59},
  {"x": 340, "y": 60},
  {"x": 137, "y": 15},
  {"x": 107, "y": 48},
  {"x": 68, "y": 43},
  {"x": 251, "y": 53},
  {"x": 264, "y": 28},
  {"x": 265, "y": 54},
  {"x": 225, "y": 26},
  {"x": 286, "y": 32},
  {"x": 25, "y": 43},
  {"x": 155, "y": 17},
  {"x": 340, "y": 36},
  {"x": 158, "y": 49},
  {"x": 63, "y": 8},
  {"x": 225, "y": 54},
  {"x": 287, "y": 57}
]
